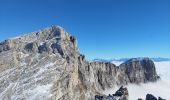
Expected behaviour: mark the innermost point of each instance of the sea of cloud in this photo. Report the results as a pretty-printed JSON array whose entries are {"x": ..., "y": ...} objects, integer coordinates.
[{"x": 160, "y": 88}]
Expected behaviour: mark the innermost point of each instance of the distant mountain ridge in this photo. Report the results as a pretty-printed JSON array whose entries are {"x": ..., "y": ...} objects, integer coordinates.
[{"x": 158, "y": 59}]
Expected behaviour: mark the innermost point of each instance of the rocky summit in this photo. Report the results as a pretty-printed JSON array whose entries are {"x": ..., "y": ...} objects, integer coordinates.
[{"x": 47, "y": 65}]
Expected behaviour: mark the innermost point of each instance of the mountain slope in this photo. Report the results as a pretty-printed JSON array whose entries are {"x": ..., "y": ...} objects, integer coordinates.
[{"x": 47, "y": 65}]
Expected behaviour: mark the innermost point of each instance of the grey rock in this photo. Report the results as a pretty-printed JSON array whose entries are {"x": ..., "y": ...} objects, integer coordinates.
[
  {"x": 140, "y": 70},
  {"x": 4, "y": 46},
  {"x": 43, "y": 48},
  {"x": 159, "y": 98},
  {"x": 57, "y": 49},
  {"x": 150, "y": 97},
  {"x": 121, "y": 94},
  {"x": 31, "y": 47},
  {"x": 47, "y": 65}
]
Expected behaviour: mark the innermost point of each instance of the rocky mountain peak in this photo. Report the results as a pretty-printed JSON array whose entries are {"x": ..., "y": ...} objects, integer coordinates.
[
  {"x": 46, "y": 40},
  {"x": 47, "y": 65}
]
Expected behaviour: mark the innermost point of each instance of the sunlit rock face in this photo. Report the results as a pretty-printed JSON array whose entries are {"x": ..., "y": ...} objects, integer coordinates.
[
  {"x": 40, "y": 65},
  {"x": 47, "y": 65}
]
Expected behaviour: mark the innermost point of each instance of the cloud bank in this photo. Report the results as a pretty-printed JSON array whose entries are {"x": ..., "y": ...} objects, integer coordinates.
[{"x": 160, "y": 88}]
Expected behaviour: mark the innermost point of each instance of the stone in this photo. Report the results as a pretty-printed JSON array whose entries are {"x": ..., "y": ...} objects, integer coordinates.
[
  {"x": 43, "y": 48},
  {"x": 150, "y": 97},
  {"x": 159, "y": 98},
  {"x": 140, "y": 70},
  {"x": 57, "y": 49},
  {"x": 30, "y": 47},
  {"x": 97, "y": 97},
  {"x": 47, "y": 65},
  {"x": 4, "y": 46},
  {"x": 121, "y": 94}
]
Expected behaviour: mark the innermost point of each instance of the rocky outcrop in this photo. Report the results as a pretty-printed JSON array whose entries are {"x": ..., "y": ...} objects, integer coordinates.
[
  {"x": 47, "y": 65},
  {"x": 120, "y": 94},
  {"x": 98, "y": 76},
  {"x": 151, "y": 97},
  {"x": 4, "y": 46},
  {"x": 140, "y": 70}
]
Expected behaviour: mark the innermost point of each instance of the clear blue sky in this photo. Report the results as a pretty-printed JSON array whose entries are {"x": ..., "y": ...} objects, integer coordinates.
[{"x": 104, "y": 28}]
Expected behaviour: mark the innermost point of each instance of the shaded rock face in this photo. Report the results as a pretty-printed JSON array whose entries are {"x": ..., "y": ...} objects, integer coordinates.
[
  {"x": 47, "y": 65},
  {"x": 120, "y": 94},
  {"x": 4, "y": 46},
  {"x": 100, "y": 76},
  {"x": 150, "y": 97},
  {"x": 140, "y": 70}
]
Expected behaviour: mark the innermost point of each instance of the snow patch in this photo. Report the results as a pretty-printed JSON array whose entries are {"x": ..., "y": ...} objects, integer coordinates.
[
  {"x": 117, "y": 63},
  {"x": 7, "y": 91},
  {"x": 38, "y": 93},
  {"x": 41, "y": 43},
  {"x": 44, "y": 68}
]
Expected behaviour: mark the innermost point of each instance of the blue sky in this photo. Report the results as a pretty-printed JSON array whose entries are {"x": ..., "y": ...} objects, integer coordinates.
[{"x": 104, "y": 28}]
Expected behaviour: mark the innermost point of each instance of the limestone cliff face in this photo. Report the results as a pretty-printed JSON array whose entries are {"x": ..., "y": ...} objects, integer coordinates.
[
  {"x": 47, "y": 65},
  {"x": 140, "y": 70},
  {"x": 40, "y": 65}
]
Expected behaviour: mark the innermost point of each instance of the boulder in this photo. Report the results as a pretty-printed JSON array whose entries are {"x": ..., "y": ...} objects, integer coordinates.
[
  {"x": 159, "y": 98},
  {"x": 150, "y": 97},
  {"x": 121, "y": 94}
]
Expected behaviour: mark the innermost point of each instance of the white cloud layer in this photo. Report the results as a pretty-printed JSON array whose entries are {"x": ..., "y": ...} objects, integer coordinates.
[{"x": 160, "y": 88}]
